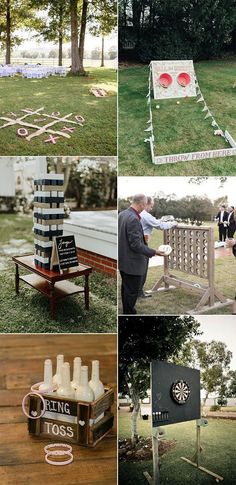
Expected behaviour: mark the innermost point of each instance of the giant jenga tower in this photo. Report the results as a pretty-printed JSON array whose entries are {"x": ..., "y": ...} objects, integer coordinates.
[{"x": 48, "y": 216}]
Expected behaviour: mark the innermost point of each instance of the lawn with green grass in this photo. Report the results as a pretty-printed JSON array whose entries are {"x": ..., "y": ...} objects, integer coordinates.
[
  {"x": 29, "y": 311},
  {"x": 218, "y": 453},
  {"x": 177, "y": 128},
  {"x": 65, "y": 95},
  {"x": 179, "y": 301}
]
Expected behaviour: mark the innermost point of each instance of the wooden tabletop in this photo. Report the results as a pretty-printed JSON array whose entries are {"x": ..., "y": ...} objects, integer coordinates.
[
  {"x": 27, "y": 262},
  {"x": 22, "y": 459}
]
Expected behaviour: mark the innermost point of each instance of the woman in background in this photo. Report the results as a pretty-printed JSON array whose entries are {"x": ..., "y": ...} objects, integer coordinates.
[{"x": 231, "y": 222}]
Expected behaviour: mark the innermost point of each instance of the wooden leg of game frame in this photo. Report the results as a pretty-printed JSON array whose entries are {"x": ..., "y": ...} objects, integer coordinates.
[
  {"x": 205, "y": 470},
  {"x": 203, "y": 300},
  {"x": 197, "y": 464},
  {"x": 158, "y": 284},
  {"x": 155, "y": 459}
]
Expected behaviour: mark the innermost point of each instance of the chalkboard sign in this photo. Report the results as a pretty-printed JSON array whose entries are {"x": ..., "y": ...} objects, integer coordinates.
[
  {"x": 64, "y": 252},
  {"x": 175, "y": 393}
]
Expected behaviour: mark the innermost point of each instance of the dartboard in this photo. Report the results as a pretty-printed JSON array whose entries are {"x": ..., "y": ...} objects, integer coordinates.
[{"x": 180, "y": 391}]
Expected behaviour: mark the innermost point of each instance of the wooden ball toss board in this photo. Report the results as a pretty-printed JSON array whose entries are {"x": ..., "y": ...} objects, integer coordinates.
[
  {"x": 193, "y": 253},
  {"x": 84, "y": 430},
  {"x": 174, "y": 90}
]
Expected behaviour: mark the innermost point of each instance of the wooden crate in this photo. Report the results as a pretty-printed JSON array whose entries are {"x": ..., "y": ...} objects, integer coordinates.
[{"x": 78, "y": 421}]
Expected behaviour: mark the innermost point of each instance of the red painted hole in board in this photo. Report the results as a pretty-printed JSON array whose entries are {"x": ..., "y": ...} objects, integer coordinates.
[
  {"x": 183, "y": 79},
  {"x": 165, "y": 80}
]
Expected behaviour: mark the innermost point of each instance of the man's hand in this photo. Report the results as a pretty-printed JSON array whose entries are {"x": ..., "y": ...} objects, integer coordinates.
[
  {"x": 160, "y": 253},
  {"x": 229, "y": 243}
]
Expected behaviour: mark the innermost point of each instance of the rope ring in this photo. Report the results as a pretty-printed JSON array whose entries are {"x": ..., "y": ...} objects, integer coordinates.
[
  {"x": 58, "y": 445},
  {"x": 34, "y": 393},
  {"x": 35, "y": 388},
  {"x": 59, "y": 463}
]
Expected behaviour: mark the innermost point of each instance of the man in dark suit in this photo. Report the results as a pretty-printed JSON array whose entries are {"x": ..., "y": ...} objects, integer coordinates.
[
  {"x": 133, "y": 253},
  {"x": 231, "y": 222},
  {"x": 222, "y": 218}
]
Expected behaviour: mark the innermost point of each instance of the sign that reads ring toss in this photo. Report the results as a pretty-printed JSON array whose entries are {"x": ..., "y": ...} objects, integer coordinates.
[{"x": 173, "y": 79}]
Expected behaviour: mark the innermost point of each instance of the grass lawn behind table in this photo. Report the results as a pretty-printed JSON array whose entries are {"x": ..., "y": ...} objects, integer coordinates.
[
  {"x": 218, "y": 455},
  {"x": 66, "y": 95},
  {"x": 179, "y": 301},
  {"x": 29, "y": 311},
  {"x": 177, "y": 128}
]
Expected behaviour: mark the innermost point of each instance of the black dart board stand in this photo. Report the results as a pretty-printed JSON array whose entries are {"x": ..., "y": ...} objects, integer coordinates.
[{"x": 175, "y": 398}]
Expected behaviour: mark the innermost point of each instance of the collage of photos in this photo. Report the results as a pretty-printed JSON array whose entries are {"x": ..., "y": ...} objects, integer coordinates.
[{"x": 117, "y": 242}]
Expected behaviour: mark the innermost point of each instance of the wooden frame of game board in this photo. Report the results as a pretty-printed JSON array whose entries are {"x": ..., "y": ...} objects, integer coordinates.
[
  {"x": 193, "y": 254},
  {"x": 86, "y": 432},
  {"x": 188, "y": 156}
]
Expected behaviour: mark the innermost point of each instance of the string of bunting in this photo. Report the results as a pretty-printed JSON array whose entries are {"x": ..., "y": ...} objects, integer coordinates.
[
  {"x": 214, "y": 124},
  {"x": 149, "y": 122}
]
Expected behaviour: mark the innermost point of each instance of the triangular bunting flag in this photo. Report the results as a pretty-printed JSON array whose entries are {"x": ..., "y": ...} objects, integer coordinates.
[
  {"x": 200, "y": 99},
  {"x": 208, "y": 115},
  {"x": 198, "y": 91},
  {"x": 149, "y": 121},
  {"x": 150, "y": 128},
  {"x": 148, "y": 94},
  {"x": 214, "y": 123},
  {"x": 205, "y": 108}
]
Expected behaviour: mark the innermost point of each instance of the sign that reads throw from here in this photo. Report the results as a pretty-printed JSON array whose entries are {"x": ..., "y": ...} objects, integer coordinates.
[
  {"x": 64, "y": 252},
  {"x": 173, "y": 79},
  {"x": 175, "y": 393}
]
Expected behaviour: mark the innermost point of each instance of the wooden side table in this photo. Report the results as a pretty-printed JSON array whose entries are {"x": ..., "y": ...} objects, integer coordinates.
[{"x": 52, "y": 284}]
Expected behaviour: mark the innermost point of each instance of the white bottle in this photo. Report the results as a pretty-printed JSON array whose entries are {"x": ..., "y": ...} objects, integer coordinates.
[
  {"x": 65, "y": 389},
  {"x": 76, "y": 373},
  {"x": 57, "y": 378},
  {"x": 47, "y": 385},
  {"x": 84, "y": 391},
  {"x": 95, "y": 383}
]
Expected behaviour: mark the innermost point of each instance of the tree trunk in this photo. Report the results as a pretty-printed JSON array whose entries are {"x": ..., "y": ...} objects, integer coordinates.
[
  {"x": 205, "y": 399},
  {"x": 8, "y": 32},
  {"x": 60, "y": 37},
  {"x": 102, "y": 53},
  {"x": 134, "y": 417},
  {"x": 82, "y": 35},
  {"x": 75, "y": 62}
]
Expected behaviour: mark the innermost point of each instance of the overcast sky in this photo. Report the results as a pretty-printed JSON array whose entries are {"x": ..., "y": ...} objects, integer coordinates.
[
  {"x": 179, "y": 186},
  {"x": 222, "y": 328}
]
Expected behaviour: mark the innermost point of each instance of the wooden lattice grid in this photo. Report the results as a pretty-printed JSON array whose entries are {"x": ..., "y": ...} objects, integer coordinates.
[{"x": 192, "y": 250}]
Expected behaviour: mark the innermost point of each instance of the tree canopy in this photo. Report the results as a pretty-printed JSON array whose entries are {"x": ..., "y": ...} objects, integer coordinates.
[{"x": 177, "y": 29}]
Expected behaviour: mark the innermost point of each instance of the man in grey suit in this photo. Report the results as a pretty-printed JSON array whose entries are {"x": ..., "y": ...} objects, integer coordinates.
[{"x": 133, "y": 253}]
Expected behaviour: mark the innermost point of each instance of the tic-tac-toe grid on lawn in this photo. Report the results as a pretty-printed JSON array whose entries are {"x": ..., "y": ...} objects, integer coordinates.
[
  {"x": 48, "y": 216},
  {"x": 30, "y": 121}
]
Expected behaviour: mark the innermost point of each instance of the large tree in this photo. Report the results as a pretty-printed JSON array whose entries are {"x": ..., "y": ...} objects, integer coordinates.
[
  {"x": 14, "y": 15},
  {"x": 142, "y": 339},
  {"x": 213, "y": 358},
  {"x": 78, "y": 35},
  {"x": 104, "y": 18},
  {"x": 55, "y": 25},
  {"x": 177, "y": 29}
]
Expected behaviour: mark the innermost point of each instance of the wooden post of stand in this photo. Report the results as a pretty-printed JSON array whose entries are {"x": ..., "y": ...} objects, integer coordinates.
[
  {"x": 156, "y": 468},
  {"x": 198, "y": 445},
  {"x": 155, "y": 480}
]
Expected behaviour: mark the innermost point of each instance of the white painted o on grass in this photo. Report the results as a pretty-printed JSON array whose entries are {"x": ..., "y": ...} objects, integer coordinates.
[{"x": 22, "y": 132}]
